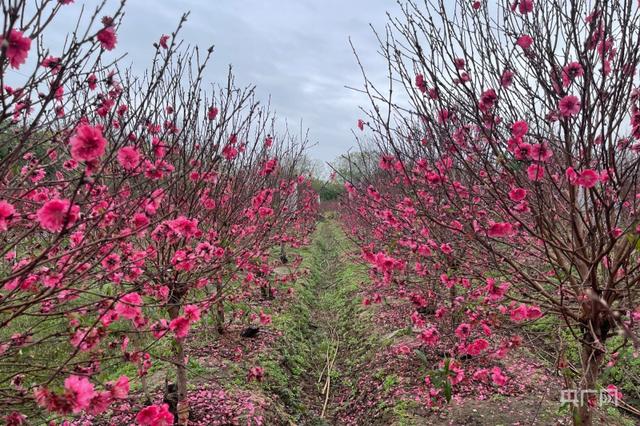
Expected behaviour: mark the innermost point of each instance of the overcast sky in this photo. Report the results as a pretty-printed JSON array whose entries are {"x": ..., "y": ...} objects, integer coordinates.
[{"x": 297, "y": 51}]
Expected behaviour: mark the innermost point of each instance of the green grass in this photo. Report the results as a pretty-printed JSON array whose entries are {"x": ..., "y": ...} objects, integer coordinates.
[
  {"x": 285, "y": 365},
  {"x": 324, "y": 306}
]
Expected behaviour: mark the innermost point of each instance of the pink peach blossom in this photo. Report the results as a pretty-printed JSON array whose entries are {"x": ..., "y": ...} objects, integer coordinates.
[
  {"x": 17, "y": 48},
  {"x": 569, "y": 106},
  {"x": 54, "y": 213},
  {"x": 87, "y": 144}
]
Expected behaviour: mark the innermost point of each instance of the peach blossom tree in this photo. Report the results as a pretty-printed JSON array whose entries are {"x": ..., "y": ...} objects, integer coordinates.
[
  {"x": 126, "y": 204},
  {"x": 507, "y": 141}
]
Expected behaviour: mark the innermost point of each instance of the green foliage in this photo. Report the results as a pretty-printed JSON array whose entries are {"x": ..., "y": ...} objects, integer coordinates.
[
  {"x": 625, "y": 373},
  {"x": 279, "y": 381},
  {"x": 389, "y": 382},
  {"x": 356, "y": 165},
  {"x": 324, "y": 315},
  {"x": 327, "y": 190},
  {"x": 440, "y": 378},
  {"x": 289, "y": 361},
  {"x": 614, "y": 417},
  {"x": 402, "y": 412}
]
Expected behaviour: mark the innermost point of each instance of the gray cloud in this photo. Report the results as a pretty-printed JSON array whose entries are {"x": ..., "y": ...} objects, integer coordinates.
[{"x": 295, "y": 51}]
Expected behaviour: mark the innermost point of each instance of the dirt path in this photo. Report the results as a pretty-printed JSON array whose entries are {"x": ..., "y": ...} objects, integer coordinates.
[{"x": 325, "y": 383}]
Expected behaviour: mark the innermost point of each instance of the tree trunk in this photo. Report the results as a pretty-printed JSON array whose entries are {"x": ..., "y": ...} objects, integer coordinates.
[
  {"x": 219, "y": 309},
  {"x": 595, "y": 333},
  {"x": 591, "y": 360},
  {"x": 181, "y": 374},
  {"x": 283, "y": 253},
  {"x": 181, "y": 381},
  {"x": 267, "y": 291}
]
